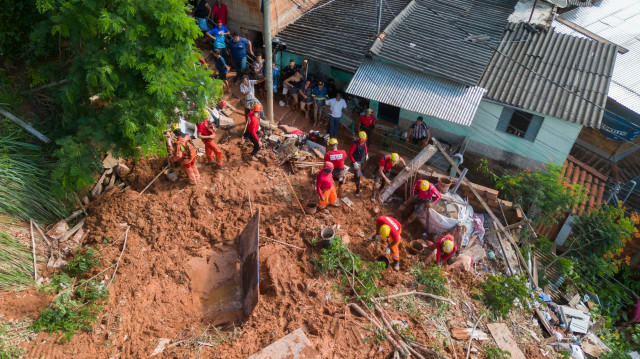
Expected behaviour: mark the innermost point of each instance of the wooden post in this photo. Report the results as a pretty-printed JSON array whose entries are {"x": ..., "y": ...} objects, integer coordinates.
[
  {"x": 486, "y": 208},
  {"x": 417, "y": 162}
]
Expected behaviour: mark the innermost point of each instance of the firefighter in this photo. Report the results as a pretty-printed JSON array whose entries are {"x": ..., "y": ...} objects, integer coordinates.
[
  {"x": 390, "y": 229},
  {"x": 358, "y": 155},
  {"x": 185, "y": 151},
  {"x": 206, "y": 132},
  {"x": 325, "y": 188},
  {"x": 384, "y": 171},
  {"x": 251, "y": 132},
  {"x": 336, "y": 157},
  {"x": 445, "y": 249},
  {"x": 423, "y": 195}
]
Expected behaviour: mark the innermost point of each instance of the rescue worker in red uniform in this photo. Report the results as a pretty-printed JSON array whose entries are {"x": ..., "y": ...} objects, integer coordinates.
[
  {"x": 384, "y": 171},
  {"x": 336, "y": 157},
  {"x": 390, "y": 229},
  {"x": 206, "y": 132},
  {"x": 423, "y": 195},
  {"x": 251, "y": 132},
  {"x": 368, "y": 122},
  {"x": 185, "y": 151},
  {"x": 325, "y": 188},
  {"x": 445, "y": 249},
  {"x": 358, "y": 155}
]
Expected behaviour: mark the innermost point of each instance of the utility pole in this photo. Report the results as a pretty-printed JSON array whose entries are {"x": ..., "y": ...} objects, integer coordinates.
[{"x": 268, "y": 52}]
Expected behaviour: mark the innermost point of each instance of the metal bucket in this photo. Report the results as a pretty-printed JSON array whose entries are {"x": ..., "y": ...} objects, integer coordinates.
[
  {"x": 416, "y": 247},
  {"x": 312, "y": 207},
  {"x": 327, "y": 233},
  {"x": 384, "y": 260}
]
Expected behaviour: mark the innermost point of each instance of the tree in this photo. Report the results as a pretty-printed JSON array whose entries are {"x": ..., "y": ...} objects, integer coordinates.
[
  {"x": 544, "y": 195},
  {"x": 133, "y": 63}
]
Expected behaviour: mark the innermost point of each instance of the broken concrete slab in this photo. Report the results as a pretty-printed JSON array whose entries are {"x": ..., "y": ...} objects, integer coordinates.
[
  {"x": 465, "y": 334},
  {"x": 295, "y": 345},
  {"x": 501, "y": 334}
]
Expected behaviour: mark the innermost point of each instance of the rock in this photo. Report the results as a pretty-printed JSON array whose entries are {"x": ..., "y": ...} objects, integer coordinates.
[
  {"x": 78, "y": 236},
  {"x": 226, "y": 122},
  {"x": 85, "y": 200},
  {"x": 58, "y": 230}
]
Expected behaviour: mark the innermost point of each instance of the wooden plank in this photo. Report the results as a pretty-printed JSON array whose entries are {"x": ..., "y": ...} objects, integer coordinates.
[
  {"x": 505, "y": 250},
  {"x": 511, "y": 226},
  {"x": 406, "y": 173},
  {"x": 544, "y": 321},
  {"x": 465, "y": 334},
  {"x": 523, "y": 262},
  {"x": 501, "y": 334}
]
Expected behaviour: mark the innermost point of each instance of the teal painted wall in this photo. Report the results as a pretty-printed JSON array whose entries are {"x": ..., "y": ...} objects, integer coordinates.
[{"x": 555, "y": 138}]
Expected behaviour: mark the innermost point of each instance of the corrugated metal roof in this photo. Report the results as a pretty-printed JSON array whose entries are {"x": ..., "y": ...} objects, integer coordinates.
[
  {"x": 415, "y": 91},
  {"x": 580, "y": 2},
  {"x": 429, "y": 36},
  {"x": 528, "y": 68},
  {"x": 619, "y": 22},
  {"x": 338, "y": 32}
]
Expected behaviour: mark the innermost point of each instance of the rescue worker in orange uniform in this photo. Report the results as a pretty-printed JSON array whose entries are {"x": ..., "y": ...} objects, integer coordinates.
[
  {"x": 206, "y": 132},
  {"x": 445, "y": 249},
  {"x": 389, "y": 228},
  {"x": 325, "y": 188},
  {"x": 185, "y": 151},
  {"x": 336, "y": 157}
]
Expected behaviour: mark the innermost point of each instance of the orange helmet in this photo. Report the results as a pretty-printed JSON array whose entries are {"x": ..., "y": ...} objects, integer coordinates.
[{"x": 257, "y": 107}]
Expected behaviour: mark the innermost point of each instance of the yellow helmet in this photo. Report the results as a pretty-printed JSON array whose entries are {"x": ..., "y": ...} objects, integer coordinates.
[
  {"x": 175, "y": 126},
  {"x": 385, "y": 230},
  {"x": 447, "y": 246},
  {"x": 369, "y": 111},
  {"x": 333, "y": 141},
  {"x": 394, "y": 158},
  {"x": 424, "y": 185},
  {"x": 362, "y": 135}
]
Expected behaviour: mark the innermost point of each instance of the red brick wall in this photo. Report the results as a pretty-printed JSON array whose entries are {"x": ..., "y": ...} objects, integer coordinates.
[{"x": 245, "y": 14}]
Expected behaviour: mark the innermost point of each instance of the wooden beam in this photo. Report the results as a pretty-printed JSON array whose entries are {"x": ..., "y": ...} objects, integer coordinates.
[
  {"x": 511, "y": 226},
  {"x": 24, "y": 125},
  {"x": 523, "y": 262},
  {"x": 582, "y": 30},
  {"x": 417, "y": 162}
]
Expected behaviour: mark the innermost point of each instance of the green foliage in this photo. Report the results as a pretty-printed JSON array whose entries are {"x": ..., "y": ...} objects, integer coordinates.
[
  {"x": 16, "y": 264},
  {"x": 433, "y": 278},
  {"x": 58, "y": 283},
  {"x": 621, "y": 342},
  {"x": 354, "y": 273},
  {"x": 545, "y": 191},
  {"x": 496, "y": 353},
  {"x": 84, "y": 259},
  {"x": 25, "y": 181},
  {"x": 17, "y": 19},
  {"x": 499, "y": 293},
  {"x": 7, "y": 349},
  {"x": 133, "y": 62}
]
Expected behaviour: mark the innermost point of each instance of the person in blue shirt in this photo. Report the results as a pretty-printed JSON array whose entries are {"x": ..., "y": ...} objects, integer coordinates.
[
  {"x": 319, "y": 95},
  {"x": 218, "y": 35},
  {"x": 239, "y": 46},
  {"x": 275, "y": 73},
  {"x": 222, "y": 68}
]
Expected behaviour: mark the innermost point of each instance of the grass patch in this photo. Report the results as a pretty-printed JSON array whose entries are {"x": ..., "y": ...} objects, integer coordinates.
[
  {"x": 354, "y": 274},
  {"x": 16, "y": 264},
  {"x": 11, "y": 334},
  {"x": 432, "y": 278},
  {"x": 496, "y": 353},
  {"x": 83, "y": 260}
]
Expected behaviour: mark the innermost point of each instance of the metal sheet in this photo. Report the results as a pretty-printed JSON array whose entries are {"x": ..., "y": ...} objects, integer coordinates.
[
  {"x": 248, "y": 251},
  {"x": 417, "y": 92},
  {"x": 616, "y": 21}
]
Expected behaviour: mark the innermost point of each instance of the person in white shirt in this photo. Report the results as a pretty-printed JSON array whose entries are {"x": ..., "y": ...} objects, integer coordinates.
[{"x": 335, "y": 106}]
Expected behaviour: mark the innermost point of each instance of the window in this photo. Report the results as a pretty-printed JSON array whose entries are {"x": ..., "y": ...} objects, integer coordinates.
[
  {"x": 388, "y": 112},
  {"x": 519, "y": 123}
]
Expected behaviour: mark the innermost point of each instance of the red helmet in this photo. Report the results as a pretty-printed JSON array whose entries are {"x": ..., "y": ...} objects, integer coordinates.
[
  {"x": 222, "y": 103},
  {"x": 328, "y": 165}
]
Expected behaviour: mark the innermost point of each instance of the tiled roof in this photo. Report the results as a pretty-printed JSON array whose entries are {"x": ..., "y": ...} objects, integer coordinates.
[
  {"x": 416, "y": 91},
  {"x": 430, "y": 36},
  {"x": 618, "y": 22},
  {"x": 338, "y": 32},
  {"x": 551, "y": 73}
]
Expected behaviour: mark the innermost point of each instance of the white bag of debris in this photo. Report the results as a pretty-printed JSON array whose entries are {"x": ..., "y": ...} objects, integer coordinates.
[{"x": 440, "y": 225}]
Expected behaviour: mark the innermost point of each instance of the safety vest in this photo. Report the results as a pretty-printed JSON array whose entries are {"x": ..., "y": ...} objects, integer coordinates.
[{"x": 186, "y": 146}]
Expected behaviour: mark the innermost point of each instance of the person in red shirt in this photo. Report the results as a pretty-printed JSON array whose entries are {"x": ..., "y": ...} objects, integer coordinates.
[
  {"x": 445, "y": 249},
  {"x": 325, "y": 187},
  {"x": 368, "y": 122},
  {"x": 358, "y": 155},
  {"x": 389, "y": 228},
  {"x": 219, "y": 12},
  {"x": 185, "y": 152},
  {"x": 336, "y": 157},
  {"x": 207, "y": 133},
  {"x": 424, "y": 193},
  {"x": 251, "y": 131},
  {"x": 384, "y": 171}
]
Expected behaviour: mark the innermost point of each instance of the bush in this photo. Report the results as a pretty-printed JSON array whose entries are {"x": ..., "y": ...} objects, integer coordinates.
[
  {"x": 352, "y": 270},
  {"x": 496, "y": 353},
  {"x": 432, "y": 278},
  {"x": 83, "y": 260},
  {"x": 499, "y": 293}
]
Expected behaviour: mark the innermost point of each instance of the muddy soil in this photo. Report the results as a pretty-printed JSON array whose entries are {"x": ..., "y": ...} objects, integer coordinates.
[{"x": 178, "y": 249}]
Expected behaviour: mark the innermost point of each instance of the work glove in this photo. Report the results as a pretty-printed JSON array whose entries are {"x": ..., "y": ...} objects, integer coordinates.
[
  {"x": 366, "y": 157},
  {"x": 356, "y": 166},
  {"x": 375, "y": 237},
  {"x": 387, "y": 251}
]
